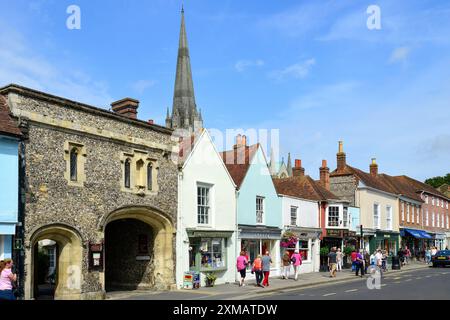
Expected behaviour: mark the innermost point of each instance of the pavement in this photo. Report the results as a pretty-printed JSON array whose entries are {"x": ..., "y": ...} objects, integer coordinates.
[{"x": 249, "y": 291}]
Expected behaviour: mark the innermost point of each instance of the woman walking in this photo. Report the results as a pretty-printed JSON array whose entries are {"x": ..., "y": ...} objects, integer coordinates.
[
  {"x": 241, "y": 265},
  {"x": 339, "y": 256},
  {"x": 297, "y": 262},
  {"x": 266, "y": 261},
  {"x": 286, "y": 265},
  {"x": 7, "y": 279},
  {"x": 257, "y": 269}
]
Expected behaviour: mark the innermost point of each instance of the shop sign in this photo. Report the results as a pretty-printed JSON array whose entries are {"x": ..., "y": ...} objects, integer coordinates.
[{"x": 333, "y": 233}]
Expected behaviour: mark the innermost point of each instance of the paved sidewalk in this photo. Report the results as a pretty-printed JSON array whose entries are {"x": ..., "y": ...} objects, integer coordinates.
[{"x": 233, "y": 291}]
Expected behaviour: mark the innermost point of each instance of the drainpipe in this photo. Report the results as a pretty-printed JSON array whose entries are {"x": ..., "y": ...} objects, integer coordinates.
[
  {"x": 236, "y": 235},
  {"x": 19, "y": 253}
]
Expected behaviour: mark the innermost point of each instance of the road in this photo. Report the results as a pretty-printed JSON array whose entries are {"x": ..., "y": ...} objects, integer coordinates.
[
  {"x": 426, "y": 284},
  {"x": 429, "y": 283}
]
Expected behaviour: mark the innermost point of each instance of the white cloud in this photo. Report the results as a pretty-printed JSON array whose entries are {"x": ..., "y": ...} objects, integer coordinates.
[
  {"x": 298, "y": 70},
  {"x": 23, "y": 65},
  {"x": 399, "y": 54},
  {"x": 141, "y": 85},
  {"x": 242, "y": 65}
]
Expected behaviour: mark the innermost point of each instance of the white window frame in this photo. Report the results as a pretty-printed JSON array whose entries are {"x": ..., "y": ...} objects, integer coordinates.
[
  {"x": 388, "y": 217},
  {"x": 427, "y": 219},
  {"x": 260, "y": 210},
  {"x": 442, "y": 203},
  {"x": 338, "y": 216},
  {"x": 447, "y": 221},
  {"x": 376, "y": 217},
  {"x": 432, "y": 201},
  {"x": 345, "y": 219},
  {"x": 413, "y": 214},
  {"x": 426, "y": 199},
  {"x": 442, "y": 220},
  {"x": 407, "y": 213},
  {"x": 432, "y": 219},
  {"x": 418, "y": 215},
  {"x": 207, "y": 205},
  {"x": 437, "y": 219},
  {"x": 446, "y": 204},
  {"x": 403, "y": 211},
  {"x": 296, "y": 216}
]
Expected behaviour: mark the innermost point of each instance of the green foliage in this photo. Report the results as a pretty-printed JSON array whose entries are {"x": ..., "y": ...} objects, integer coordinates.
[
  {"x": 436, "y": 182},
  {"x": 348, "y": 250},
  {"x": 211, "y": 276},
  {"x": 324, "y": 251}
]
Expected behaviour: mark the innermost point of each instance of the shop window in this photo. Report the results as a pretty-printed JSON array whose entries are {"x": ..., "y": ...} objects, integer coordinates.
[
  {"x": 303, "y": 248},
  {"x": 207, "y": 254},
  {"x": 333, "y": 216}
]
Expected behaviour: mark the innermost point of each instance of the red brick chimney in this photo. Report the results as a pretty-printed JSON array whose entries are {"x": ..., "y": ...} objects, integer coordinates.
[
  {"x": 325, "y": 175},
  {"x": 298, "y": 171},
  {"x": 126, "y": 107},
  {"x": 341, "y": 157},
  {"x": 374, "y": 167}
]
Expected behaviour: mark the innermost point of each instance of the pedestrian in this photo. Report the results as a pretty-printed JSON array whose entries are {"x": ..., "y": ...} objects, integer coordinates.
[
  {"x": 339, "y": 256},
  {"x": 428, "y": 256},
  {"x": 433, "y": 251},
  {"x": 353, "y": 256},
  {"x": 266, "y": 261},
  {"x": 384, "y": 260},
  {"x": 257, "y": 269},
  {"x": 332, "y": 262},
  {"x": 379, "y": 261},
  {"x": 241, "y": 265},
  {"x": 286, "y": 265},
  {"x": 296, "y": 262},
  {"x": 366, "y": 261},
  {"x": 7, "y": 280},
  {"x": 359, "y": 263},
  {"x": 407, "y": 255}
]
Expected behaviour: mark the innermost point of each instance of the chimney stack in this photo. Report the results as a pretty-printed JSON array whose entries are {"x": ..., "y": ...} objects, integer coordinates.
[
  {"x": 374, "y": 167},
  {"x": 341, "y": 157},
  {"x": 126, "y": 107},
  {"x": 325, "y": 175},
  {"x": 298, "y": 171},
  {"x": 151, "y": 121}
]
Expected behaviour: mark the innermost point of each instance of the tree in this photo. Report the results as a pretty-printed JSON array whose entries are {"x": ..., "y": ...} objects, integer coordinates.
[{"x": 436, "y": 182}]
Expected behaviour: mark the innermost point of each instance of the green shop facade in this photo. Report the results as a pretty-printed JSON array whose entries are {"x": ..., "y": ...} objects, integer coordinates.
[{"x": 385, "y": 240}]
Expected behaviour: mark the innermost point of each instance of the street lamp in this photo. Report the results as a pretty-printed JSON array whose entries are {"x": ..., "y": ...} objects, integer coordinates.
[{"x": 362, "y": 239}]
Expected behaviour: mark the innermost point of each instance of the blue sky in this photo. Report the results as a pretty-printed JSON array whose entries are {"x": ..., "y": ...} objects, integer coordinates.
[{"x": 309, "y": 68}]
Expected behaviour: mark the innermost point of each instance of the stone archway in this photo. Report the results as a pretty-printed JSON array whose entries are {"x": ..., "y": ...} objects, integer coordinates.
[
  {"x": 162, "y": 233},
  {"x": 69, "y": 264}
]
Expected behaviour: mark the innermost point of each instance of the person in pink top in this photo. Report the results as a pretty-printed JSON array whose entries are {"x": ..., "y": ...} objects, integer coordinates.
[
  {"x": 241, "y": 265},
  {"x": 7, "y": 278},
  {"x": 296, "y": 259}
]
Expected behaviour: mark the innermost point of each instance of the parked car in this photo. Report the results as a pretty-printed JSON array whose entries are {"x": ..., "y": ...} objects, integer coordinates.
[{"x": 441, "y": 258}]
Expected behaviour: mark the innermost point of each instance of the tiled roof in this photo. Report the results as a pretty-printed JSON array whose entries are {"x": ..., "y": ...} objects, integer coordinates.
[
  {"x": 7, "y": 125},
  {"x": 238, "y": 163},
  {"x": 399, "y": 185},
  {"x": 303, "y": 187}
]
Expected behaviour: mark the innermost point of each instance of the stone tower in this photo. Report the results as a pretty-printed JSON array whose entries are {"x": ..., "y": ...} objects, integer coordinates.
[{"x": 184, "y": 110}]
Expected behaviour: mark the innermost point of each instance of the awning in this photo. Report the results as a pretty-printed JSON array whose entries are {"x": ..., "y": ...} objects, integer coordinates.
[
  {"x": 419, "y": 234},
  {"x": 7, "y": 228}
]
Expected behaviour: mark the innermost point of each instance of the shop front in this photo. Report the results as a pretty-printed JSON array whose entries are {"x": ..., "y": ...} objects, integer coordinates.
[
  {"x": 307, "y": 244},
  {"x": 439, "y": 240},
  {"x": 385, "y": 240},
  {"x": 333, "y": 238},
  {"x": 210, "y": 251},
  {"x": 256, "y": 240},
  {"x": 417, "y": 241}
]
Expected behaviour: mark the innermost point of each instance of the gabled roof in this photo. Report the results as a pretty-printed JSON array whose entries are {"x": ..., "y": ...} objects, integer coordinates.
[
  {"x": 238, "y": 161},
  {"x": 7, "y": 124},
  {"x": 303, "y": 187}
]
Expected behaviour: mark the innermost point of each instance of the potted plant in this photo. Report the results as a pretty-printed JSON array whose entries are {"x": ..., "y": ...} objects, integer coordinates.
[
  {"x": 323, "y": 258},
  {"x": 210, "y": 279}
]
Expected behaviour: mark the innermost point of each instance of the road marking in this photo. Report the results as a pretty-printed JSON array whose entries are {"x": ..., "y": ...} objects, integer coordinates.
[
  {"x": 397, "y": 282},
  {"x": 329, "y": 294},
  {"x": 408, "y": 280},
  {"x": 418, "y": 278},
  {"x": 397, "y": 278},
  {"x": 444, "y": 272},
  {"x": 351, "y": 290}
]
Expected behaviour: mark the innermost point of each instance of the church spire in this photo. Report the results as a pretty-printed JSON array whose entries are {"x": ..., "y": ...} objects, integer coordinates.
[
  {"x": 184, "y": 98},
  {"x": 289, "y": 165}
]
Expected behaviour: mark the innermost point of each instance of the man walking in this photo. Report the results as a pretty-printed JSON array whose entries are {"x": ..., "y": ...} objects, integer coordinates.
[
  {"x": 359, "y": 263},
  {"x": 332, "y": 262},
  {"x": 379, "y": 261}
]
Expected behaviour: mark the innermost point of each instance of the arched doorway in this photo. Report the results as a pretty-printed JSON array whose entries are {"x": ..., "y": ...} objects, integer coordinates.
[
  {"x": 129, "y": 255},
  {"x": 139, "y": 246},
  {"x": 68, "y": 262}
]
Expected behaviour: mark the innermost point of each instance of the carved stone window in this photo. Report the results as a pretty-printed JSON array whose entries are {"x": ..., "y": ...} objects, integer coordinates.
[
  {"x": 75, "y": 157},
  {"x": 139, "y": 173}
]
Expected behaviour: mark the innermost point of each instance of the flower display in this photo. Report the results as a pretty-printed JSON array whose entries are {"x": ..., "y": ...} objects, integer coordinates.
[{"x": 289, "y": 240}]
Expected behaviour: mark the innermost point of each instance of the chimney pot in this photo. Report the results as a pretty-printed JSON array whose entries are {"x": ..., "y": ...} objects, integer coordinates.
[
  {"x": 341, "y": 157},
  {"x": 324, "y": 163},
  {"x": 151, "y": 121},
  {"x": 126, "y": 107},
  {"x": 374, "y": 167},
  {"x": 298, "y": 163},
  {"x": 298, "y": 171}
]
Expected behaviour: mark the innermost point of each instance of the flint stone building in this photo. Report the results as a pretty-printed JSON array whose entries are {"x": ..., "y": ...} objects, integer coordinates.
[{"x": 102, "y": 185}]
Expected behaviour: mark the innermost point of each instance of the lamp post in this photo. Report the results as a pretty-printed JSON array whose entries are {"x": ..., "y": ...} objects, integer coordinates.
[{"x": 362, "y": 237}]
